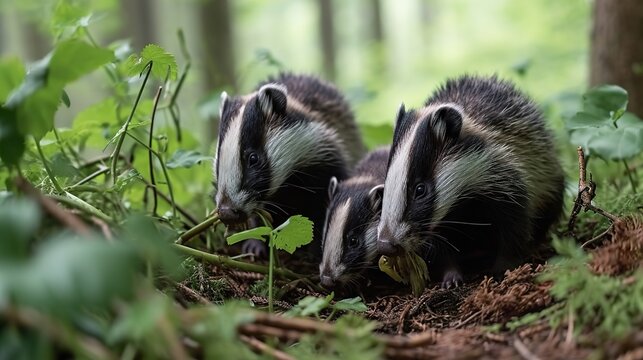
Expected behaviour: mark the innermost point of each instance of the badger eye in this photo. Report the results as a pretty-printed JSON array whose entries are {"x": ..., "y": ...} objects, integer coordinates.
[
  {"x": 253, "y": 159},
  {"x": 353, "y": 241},
  {"x": 420, "y": 190}
]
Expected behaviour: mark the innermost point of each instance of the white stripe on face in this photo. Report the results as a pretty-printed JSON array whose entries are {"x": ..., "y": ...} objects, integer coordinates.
[
  {"x": 229, "y": 157},
  {"x": 299, "y": 144},
  {"x": 333, "y": 241},
  {"x": 395, "y": 186}
]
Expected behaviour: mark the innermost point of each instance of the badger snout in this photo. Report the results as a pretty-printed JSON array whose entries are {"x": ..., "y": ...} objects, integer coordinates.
[
  {"x": 230, "y": 215},
  {"x": 386, "y": 244},
  {"x": 327, "y": 281}
]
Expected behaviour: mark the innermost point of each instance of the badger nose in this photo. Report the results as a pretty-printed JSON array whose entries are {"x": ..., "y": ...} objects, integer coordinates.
[
  {"x": 327, "y": 281},
  {"x": 229, "y": 215},
  {"x": 385, "y": 243}
]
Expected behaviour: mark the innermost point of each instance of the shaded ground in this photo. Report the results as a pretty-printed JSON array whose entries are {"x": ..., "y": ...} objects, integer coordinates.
[{"x": 462, "y": 320}]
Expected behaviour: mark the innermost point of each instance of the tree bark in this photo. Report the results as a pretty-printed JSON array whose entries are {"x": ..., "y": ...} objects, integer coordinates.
[
  {"x": 217, "y": 34},
  {"x": 376, "y": 26},
  {"x": 139, "y": 22},
  {"x": 327, "y": 36},
  {"x": 617, "y": 48}
]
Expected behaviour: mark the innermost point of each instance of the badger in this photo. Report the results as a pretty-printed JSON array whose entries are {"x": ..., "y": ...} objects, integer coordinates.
[
  {"x": 473, "y": 181},
  {"x": 278, "y": 148},
  {"x": 349, "y": 244}
]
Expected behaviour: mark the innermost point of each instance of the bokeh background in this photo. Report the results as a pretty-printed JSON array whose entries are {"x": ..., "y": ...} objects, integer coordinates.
[{"x": 380, "y": 52}]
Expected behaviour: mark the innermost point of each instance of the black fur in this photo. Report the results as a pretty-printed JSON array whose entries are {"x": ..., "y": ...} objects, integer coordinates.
[
  {"x": 499, "y": 230},
  {"x": 361, "y": 213}
]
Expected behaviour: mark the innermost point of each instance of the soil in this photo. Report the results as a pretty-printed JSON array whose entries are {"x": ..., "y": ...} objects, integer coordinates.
[{"x": 461, "y": 319}]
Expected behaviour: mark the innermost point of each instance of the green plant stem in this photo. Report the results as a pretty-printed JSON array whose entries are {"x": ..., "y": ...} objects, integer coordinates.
[
  {"x": 121, "y": 138},
  {"x": 163, "y": 167},
  {"x": 197, "y": 229},
  {"x": 150, "y": 159},
  {"x": 76, "y": 203},
  {"x": 89, "y": 178},
  {"x": 271, "y": 264},
  {"x": 629, "y": 175},
  {"x": 57, "y": 186},
  {"x": 225, "y": 261}
]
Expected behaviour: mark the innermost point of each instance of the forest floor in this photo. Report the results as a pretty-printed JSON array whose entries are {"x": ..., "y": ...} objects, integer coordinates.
[{"x": 478, "y": 319}]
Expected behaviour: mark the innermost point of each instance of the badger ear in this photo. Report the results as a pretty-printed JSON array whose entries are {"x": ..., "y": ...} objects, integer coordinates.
[
  {"x": 223, "y": 103},
  {"x": 447, "y": 122},
  {"x": 401, "y": 112},
  {"x": 332, "y": 187},
  {"x": 375, "y": 198},
  {"x": 272, "y": 99}
]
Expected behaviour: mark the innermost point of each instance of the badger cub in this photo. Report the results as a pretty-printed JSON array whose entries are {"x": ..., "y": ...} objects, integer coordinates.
[
  {"x": 473, "y": 181},
  {"x": 350, "y": 231},
  {"x": 278, "y": 148}
]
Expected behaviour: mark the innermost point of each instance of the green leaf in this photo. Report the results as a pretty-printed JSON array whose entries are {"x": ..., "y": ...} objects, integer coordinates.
[
  {"x": 584, "y": 120},
  {"x": 162, "y": 62},
  {"x": 19, "y": 220},
  {"x": 127, "y": 179},
  {"x": 185, "y": 159},
  {"x": 311, "y": 305},
  {"x": 256, "y": 233},
  {"x": 65, "y": 99},
  {"x": 352, "y": 304},
  {"x": 12, "y": 71},
  {"x": 12, "y": 141},
  {"x": 617, "y": 144},
  {"x": 62, "y": 167},
  {"x": 74, "y": 58},
  {"x": 610, "y": 99},
  {"x": 295, "y": 232},
  {"x": 68, "y": 18},
  {"x": 140, "y": 321}
]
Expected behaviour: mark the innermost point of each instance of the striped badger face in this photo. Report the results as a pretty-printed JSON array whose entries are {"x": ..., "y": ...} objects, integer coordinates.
[
  {"x": 416, "y": 191},
  {"x": 245, "y": 164},
  {"x": 350, "y": 231}
]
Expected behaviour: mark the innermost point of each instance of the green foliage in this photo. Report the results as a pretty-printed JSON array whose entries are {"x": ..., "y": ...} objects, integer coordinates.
[
  {"x": 603, "y": 126},
  {"x": 353, "y": 339},
  {"x": 606, "y": 304},
  {"x": 296, "y": 231},
  {"x": 185, "y": 159},
  {"x": 313, "y": 306},
  {"x": 164, "y": 64}
]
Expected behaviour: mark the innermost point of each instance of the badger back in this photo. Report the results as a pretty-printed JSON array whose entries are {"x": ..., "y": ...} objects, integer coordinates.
[{"x": 503, "y": 116}]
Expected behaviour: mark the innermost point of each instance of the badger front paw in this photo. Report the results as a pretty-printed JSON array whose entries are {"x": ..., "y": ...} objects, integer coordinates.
[
  {"x": 452, "y": 279},
  {"x": 256, "y": 248}
]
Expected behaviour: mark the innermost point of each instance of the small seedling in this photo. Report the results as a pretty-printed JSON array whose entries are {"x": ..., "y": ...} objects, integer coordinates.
[{"x": 295, "y": 232}]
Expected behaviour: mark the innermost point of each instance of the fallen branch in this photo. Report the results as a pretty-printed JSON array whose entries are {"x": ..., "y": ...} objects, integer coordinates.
[
  {"x": 262, "y": 347},
  {"x": 586, "y": 194},
  {"x": 203, "y": 226}
]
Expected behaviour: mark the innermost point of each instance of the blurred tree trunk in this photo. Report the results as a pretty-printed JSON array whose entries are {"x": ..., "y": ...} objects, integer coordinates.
[
  {"x": 36, "y": 44},
  {"x": 139, "y": 22},
  {"x": 376, "y": 26},
  {"x": 327, "y": 33},
  {"x": 617, "y": 48},
  {"x": 218, "y": 52}
]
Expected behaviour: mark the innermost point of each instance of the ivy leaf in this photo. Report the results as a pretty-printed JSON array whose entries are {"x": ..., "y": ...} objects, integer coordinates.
[
  {"x": 185, "y": 159},
  {"x": 162, "y": 61},
  {"x": 585, "y": 119},
  {"x": 295, "y": 232},
  {"x": 352, "y": 304},
  {"x": 256, "y": 233},
  {"x": 61, "y": 166}
]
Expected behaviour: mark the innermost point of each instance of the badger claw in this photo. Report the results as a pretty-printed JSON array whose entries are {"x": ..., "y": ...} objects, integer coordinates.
[
  {"x": 254, "y": 247},
  {"x": 452, "y": 279}
]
